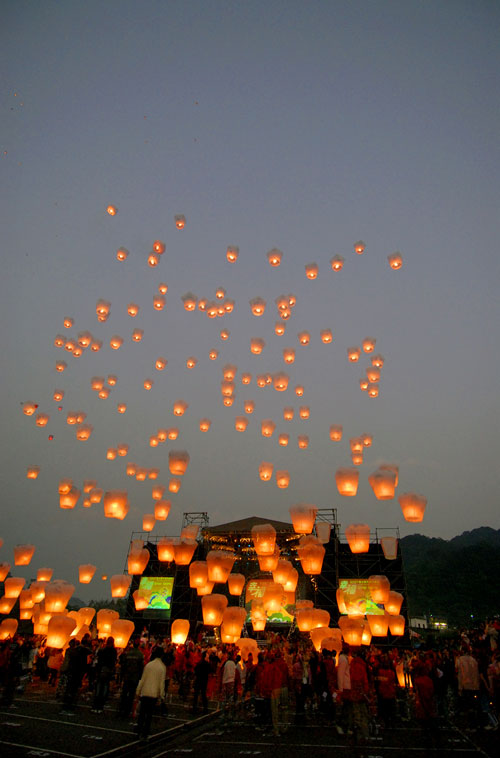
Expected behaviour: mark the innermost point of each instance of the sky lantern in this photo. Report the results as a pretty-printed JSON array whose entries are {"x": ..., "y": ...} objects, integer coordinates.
[
  {"x": 356, "y": 444},
  {"x": 57, "y": 596},
  {"x": 341, "y": 601},
  {"x": 280, "y": 381},
  {"x": 367, "y": 439},
  {"x": 60, "y": 367},
  {"x": 369, "y": 344},
  {"x": 116, "y": 342},
  {"x": 337, "y": 262},
  {"x": 137, "y": 335},
  {"x": 229, "y": 372},
  {"x": 228, "y": 305},
  {"x": 174, "y": 484},
  {"x": 198, "y": 574},
  {"x": 320, "y": 618},
  {"x": 264, "y": 538},
  {"x": 23, "y": 554},
  {"x": 212, "y": 310},
  {"x": 140, "y": 602},
  {"x": 42, "y": 419},
  {"x": 246, "y": 378},
  {"x": 352, "y": 630},
  {"x": 269, "y": 562},
  {"x": 179, "y": 631},
  {"x": 397, "y": 625},
  {"x": 283, "y": 439},
  {"x": 12, "y": 586},
  {"x": 7, "y": 604},
  {"x": 97, "y": 383},
  {"x": 224, "y": 334},
  {"x": 303, "y": 517},
  {"x": 282, "y": 479},
  {"x": 213, "y": 607},
  {"x": 191, "y": 362},
  {"x": 122, "y": 254},
  {"x": 65, "y": 486},
  {"x": 273, "y": 597},
  {"x": 162, "y": 509},
  {"x": 44, "y": 574},
  {"x": 292, "y": 580},
  {"x": 358, "y": 537},
  {"x": 148, "y": 522},
  {"x": 86, "y": 573},
  {"x": 323, "y": 529},
  {"x": 120, "y": 584},
  {"x": 395, "y": 261},
  {"x": 357, "y": 459},
  {"x": 132, "y": 309},
  {"x": 304, "y": 618},
  {"x": 289, "y": 355},
  {"x": 379, "y": 587},
  {"x": 220, "y": 293},
  {"x": 261, "y": 380},
  {"x": 392, "y": 467},
  {"x": 141, "y": 473},
  {"x": 59, "y": 629},
  {"x": 379, "y": 624},
  {"x": 178, "y": 461},
  {"x": 116, "y": 504},
  {"x": 172, "y": 433},
  {"x": 70, "y": 345},
  {"x": 32, "y": 472},
  {"x": 389, "y": 547},
  {"x": 112, "y": 210},
  {"x": 267, "y": 427},
  {"x": 59, "y": 340},
  {"x": 377, "y": 360},
  {"x": 26, "y": 599},
  {"x": 104, "y": 619},
  {"x": 347, "y": 481},
  {"x": 180, "y": 407},
  {"x": 159, "y": 302},
  {"x": 111, "y": 453},
  {"x": 96, "y": 345},
  {"x": 373, "y": 374},
  {"x": 122, "y": 449},
  {"x": 165, "y": 547},
  {"x": 288, "y": 413},
  {"x": 137, "y": 561},
  {"x": 303, "y": 441},
  {"x": 68, "y": 322},
  {"x": 393, "y": 603},
  {"x": 232, "y": 253},
  {"x": 304, "y": 338},
  {"x": 158, "y": 247},
  {"x": 205, "y": 424},
  {"x": 249, "y": 406},
  {"x": 219, "y": 565},
  {"x": 205, "y": 590},
  {"x": 29, "y": 408},
  {"x": 312, "y": 270},
  {"x": 258, "y": 616},
  {"x": 8, "y": 628},
  {"x": 326, "y": 336},
  {"x": 353, "y": 354},
  {"x": 257, "y": 306},
  {"x": 241, "y": 423},
  {"x": 304, "y": 412},
  {"x": 84, "y": 339},
  {"x": 180, "y": 221},
  {"x": 383, "y": 484},
  {"x": 274, "y": 257},
  {"x": 213, "y": 355},
  {"x": 266, "y": 471},
  {"x": 359, "y": 247},
  {"x": 257, "y": 345},
  {"x": 233, "y": 619},
  {"x": 121, "y": 631},
  {"x": 58, "y": 395},
  {"x": 190, "y": 301},
  {"x": 69, "y": 499},
  {"x": 413, "y": 506},
  {"x": 279, "y": 328},
  {"x": 227, "y": 388},
  {"x": 102, "y": 309},
  {"x": 131, "y": 469},
  {"x": 104, "y": 393},
  {"x": 235, "y": 583},
  {"x": 372, "y": 389},
  {"x": 311, "y": 554}
]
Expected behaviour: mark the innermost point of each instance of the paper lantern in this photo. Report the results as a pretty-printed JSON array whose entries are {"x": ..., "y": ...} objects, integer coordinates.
[
  {"x": 219, "y": 565},
  {"x": 148, "y": 522},
  {"x": 304, "y": 338},
  {"x": 379, "y": 624},
  {"x": 372, "y": 389},
  {"x": 264, "y": 538},
  {"x": 292, "y": 580},
  {"x": 304, "y": 619},
  {"x": 282, "y": 572},
  {"x": 89, "y": 485},
  {"x": 174, "y": 484},
  {"x": 257, "y": 345},
  {"x": 23, "y": 554},
  {"x": 347, "y": 481},
  {"x": 59, "y": 630},
  {"x": 137, "y": 335},
  {"x": 261, "y": 380},
  {"x": 341, "y": 601},
  {"x": 303, "y": 517},
  {"x": 165, "y": 548},
  {"x": 180, "y": 407},
  {"x": 26, "y": 599},
  {"x": 140, "y": 602},
  {"x": 178, "y": 461},
  {"x": 213, "y": 607},
  {"x": 358, "y": 537},
  {"x": 172, "y": 433},
  {"x": 232, "y": 253},
  {"x": 8, "y": 629},
  {"x": 137, "y": 561},
  {"x": 289, "y": 355},
  {"x": 7, "y": 604},
  {"x": 104, "y": 620},
  {"x": 225, "y": 334},
  {"x": 86, "y": 573},
  {"x": 326, "y": 336},
  {"x": 269, "y": 562},
  {"x": 258, "y": 616},
  {"x": 336, "y": 432},
  {"x": 96, "y": 346},
  {"x": 377, "y": 360},
  {"x": 323, "y": 529},
  {"x": 58, "y": 395},
  {"x": 283, "y": 439},
  {"x": 282, "y": 479},
  {"x": 357, "y": 459},
  {"x": 111, "y": 453},
  {"x": 288, "y": 413},
  {"x": 122, "y": 254},
  {"x": 389, "y": 547},
  {"x": 397, "y": 625},
  {"x": 42, "y": 419},
  {"x": 369, "y": 344},
  {"x": 69, "y": 499},
  {"x": 116, "y": 504},
  {"x": 57, "y": 596},
  {"x": 190, "y": 301},
  {"x": 383, "y": 484},
  {"x": 198, "y": 574},
  {"x": 395, "y": 261},
  {"x": 337, "y": 262},
  {"x": 356, "y": 444},
  {"x": 44, "y": 574},
  {"x": 413, "y": 506},
  {"x": 148, "y": 384},
  {"x": 159, "y": 302},
  {"x": 257, "y": 306},
  {"x": 279, "y": 328},
  {"x": 184, "y": 550},
  {"x": 179, "y": 631},
  {"x": 121, "y": 631},
  {"x": 311, "y": 270},
  {"x": 249, "y": 406},
  {"x": 352, "y": 630},
  {"x": 233, "y": 619},
  {"x": 359, "y": 247},
  {"x": 131, "y": 469},
  {"x": 274, "y": 257},
  {"x": 393, "y": 603},
  {"x": 267, "y": 427},
  {"x": 265, "y": 471},
  {"x": 235, "y": 583},
  {"x": 227, "y": 388},
  {"x": 353, "y": 354},
  {"x": 120, "y": 584},
  {"x": 273, "y": 597},
  {"x": 379, "y": 588},
  {"x": 311, "y": 555},
  {"x": 13, "y": 586},
  {"x": 157, "y": 491}
]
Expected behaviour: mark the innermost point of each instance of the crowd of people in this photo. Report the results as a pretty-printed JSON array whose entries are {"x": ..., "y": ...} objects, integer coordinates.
[{"x": 356, "y": 691}]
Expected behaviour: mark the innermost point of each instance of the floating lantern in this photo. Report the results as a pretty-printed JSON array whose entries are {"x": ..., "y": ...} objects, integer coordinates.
[
  {"x": 303, "y": 517},
  {"x": 184, "y": 551},
  {"x": 141, "y": 474},
  {"x": 96, "y": 346},
  {"x": 356, "y": 444},
  {"x": 160, "y": 363},
  {"x": 258, "y": 616},
  {"x": 379, "y": 588},
  {"x": 122, "y": 254},
  {"x": 13, "y": 586},
  {"x": 148, "y": 522},
  {"x": 326, "y": 336},
  {"x": 44, "y": 574},
  {"x": 122, "y": 450},
  {"x": 172, "y": 433},
  {"x": 336, "y": 432},
  {"x": 320, "y": 618},
  {"x": 213, "y": 355},
  {"x": 372, "y": 374},
  {"x": 116, "y": 504},
  {"x": 57, "y": 596},
  {"x": 274, "y": 257},
  {"x": 303, "y": 441},
  {"x": 395, "y": 261},
  {"x": 413, "y": 506},
  {"x": 131, "y": 469},
  {"x": 148, "y": 384},
  {"x": 279, "y": 328},
  {"x": 367, "y": 440},
  {"x": 392, "y": 467},
  {"x": 235, "y": 583},
  {"x": 137, "y": 561},
  {"x": 116, "y": 342},
  {"x": 273, "y": 597},
  {"x": 112, "y": 210},
  {"x": 389, "y": 547},
  {"x": 312, "y": 270},
  {"x": 257, "y": 345},
  {"x": 383, "y": 484},
  {"x": 7, "y": 604},
  {"x": 69, "y": 499},
  {"x": 264, "y": 539},
  {"x": 358, "y": 537},
  {"x": 159, "y": 302},
  {"x": 372, "y": 389},
  {"x": 23, "y": 554},
  {"x": 227, "y": 388},
  {"x": 84, "y": 339},
  {"x": 233, "y": 619},
  {"x": 59, "y": 340},
  {"x": 198, "y": 574},
  {"x": 257, "y": 306},
  {"x": 393, "y": 604},
  {"x": 159, "y": 247},
  {"x": 137, "y": 335},
  {"x": 120, "y": 584},
  {"x": 369, "y": 344},
  {"x": 282, "y": 479},
  {"x": 280, "y": 381},
  {"x": 347, "y": 481},
  {"x": 32, "y": 472},
  {"x": 232, "y": 253},
  {"x": 249, "y": 406},
  {"x": 353, "y": 354},
  {"x": 180, "y": 407},
  {"x": 224, "y": 335},
  {"x": 104, "y": 620},
  {"x": 59, "y": 629},
  {"x": 8, "y": 629},
  {"x": 283, "y": 439},
  {"x": 219, "y": 564},
  {"x": 304, "y": 338},
  {"x": 359, "y": 247},
  {"x": 190, "y": 301},
  {"x": 165, "y": 549},
  {"x": 60, "y": 367},
  {"x": 241, "y": 423},
  {"x": 162, "y": 509},
  {"x": 178, "y": 461},
  {"x": 357, "y": 459},
  {"x": 265, "y": 471},
  {"x": 267, "y": 427},
  {"x": 292, "y": 581},
  {"x": 311, "y": 554},
  {"x": 86, "y": 573},
  {"x": 304, "y": 412},
  {"x": 304, "y": 618},
  {"x": 352, "y": 630},
  {"x": 377, "y": 360},
  {"x": 282, "y": 572},
  {"x": 121, "y": 631},
  {"x": 261, "y": 380},
  {"x": 246, "y": 378},
  {"x": 213, "y": 607},
  {"x": 337, "y": 262},
  {"x": 269, "y": 562},
  {"x": 379, "y": 624},
  {"x": 42, "y": 419},
  {"x": 140, "y": 602},
  {"x": 289, "y": 355},
  {"x": 180, "y": 221},
  {"x": 111, "y": 453},
  {"x": 288, "y": 413},
  {"x": 179, "y": 631}
]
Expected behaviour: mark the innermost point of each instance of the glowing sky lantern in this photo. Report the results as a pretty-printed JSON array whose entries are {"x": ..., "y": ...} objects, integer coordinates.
[
  {"x": 274, "y": 257},
  {"x": 352, "y": 630},
  {"x": 236, "y": 583},
  {"x": 379, "y": 588},
  {"x": 372, "y": 389},
  {"x": 240, "y": 423},
  {"x": 304, "y": 338},
  {"x": 95, "y": 495},
  {"x": 358, "y": 537},
  {"x": 132, "y": 309},
  {"x": 23, "y": 554},
  {"x": 116, "y": 504},
  {"x": 213, "y": 607},
  {"x": 159, "y": 302},
  {"x": 395, "y": 261},
  {"x": 8, "y": 628},
  {"x": 363, "y": 383},
  {"x": 283, "y": 439},
  {"x": 369, "y": 344},
  {"x": 44, "y": 575},
  {"x": 69, "y": 499},
  {"x": 225, "y": 334},
  {"x": 228, "y": 305},
  {"x": 353, "y": 354},
  {"x": 304, "y": 412},
  {"x": 249, "y": 406},
  {"x": 383, "y": 484},
  {"x": 232, "y": 253},
  {"x": 299, "y": 390},
  {"x": 112, "y": 210},
  {"x": 257, "y": 345},
  {"x": 261, "y": 380},
  {"x": 174, "y": 484},
  {"x": 86, "y": 573},
  {"x": 303, "y": 441},
  {"x": 373, "y": 374},
  {"x": 257, "y": 306},
  {"x": 137, "y": 561},
  {"x": 122, "y": 254},
  {"x": 102, "y": 309},
  {"x": 61, "y": 366},
  {"x": 393, "y": 467},
  {"x": 246, "y": 378},
  {"x": 337, "y": 262},
  {"x": 312, "y": 270},
  {"x": 356, "y": 444},
  {"x": 347, "y": 481},
  {"x": 282, "y": 479},
  {"x": 198, "y": 574},
  {"x": 264, "y": 538},
  {"x": 178, "y": 461},
  {"x": 323, "y": 529},
  {"x": 288, "y": 413},
  {"x": 96, "y": 346},
  {"x": 42, "y": 419},
  {"x": 57, "y": 595},
  {"x": 162, "y": 509},
  {"x": 265, "y": 471},
  {"x": 120, "y": 584},
  {"x": 147, "y": 384},
  {"x": 172, "y": 433},
  {"x": 148, "y": 522},
  {"x": 357, "y": 459},
  {"x": 336, "y": 432},
  {"x": 220, "y": 293},
  {"x": 180, "y": 407},
  {"x": 227, "y": 388},
  {"x": 32, "y": 472},
  {"x": 311, "y": 554},
  {"x": 58, "y": 395},
  {"x": 390, "y": 548},
  {"x": 179, "y": 631},
  {"x": 68, "y": 322},
  {"x": 103, "y": 394},
  {"x": 180, "y": 220},
  {"x": 84, "y": 339},
  {"x": 267, "y": 427},
  {"x": 141, "y": 473},
  {"x": 219, "y": 565},
  {"x": 289, "y": 355},
  {"x": 59, "y": 340},
  {"x": 359, "y": 247},
  {"x": 165, "y": 549},
  {"x": 413, "y": 506},
  {"x": 137, "y": 335},
  {"x": 303, "y": 517},
  {"x": 111, "y": 453}
]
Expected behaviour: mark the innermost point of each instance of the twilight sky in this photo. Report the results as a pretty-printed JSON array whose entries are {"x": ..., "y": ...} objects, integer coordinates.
[{"x": 304, "y": 126}]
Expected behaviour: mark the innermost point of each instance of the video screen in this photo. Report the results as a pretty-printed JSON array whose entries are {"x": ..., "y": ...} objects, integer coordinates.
[
  {"x": 157, "y": 590},
  {"x": 357, "y": 597},
  {"x": 255, "y": 590}
]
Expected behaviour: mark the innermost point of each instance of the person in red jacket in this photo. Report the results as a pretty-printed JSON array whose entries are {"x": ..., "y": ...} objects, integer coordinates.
[
  {"x": 280, "y": 680},
  {"x": 359, "y": 694}
]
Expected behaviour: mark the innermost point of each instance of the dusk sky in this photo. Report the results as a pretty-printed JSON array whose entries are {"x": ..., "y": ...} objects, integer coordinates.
[{"x": 304, "y": 126}]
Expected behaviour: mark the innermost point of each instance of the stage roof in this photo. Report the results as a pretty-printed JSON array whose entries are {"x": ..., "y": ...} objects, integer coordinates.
[{"x": 246, "y": 524}]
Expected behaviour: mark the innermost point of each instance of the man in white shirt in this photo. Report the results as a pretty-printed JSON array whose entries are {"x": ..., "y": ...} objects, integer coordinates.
[{"x": 150, "y": 688}]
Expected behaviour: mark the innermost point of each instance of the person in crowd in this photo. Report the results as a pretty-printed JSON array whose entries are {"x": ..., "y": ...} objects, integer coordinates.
[
  {"x": 131, "y": 668},
  {"x": 150, "y": 689},
  {"x": 105, "y": 671},
  {"x": 201, "y": 673}
]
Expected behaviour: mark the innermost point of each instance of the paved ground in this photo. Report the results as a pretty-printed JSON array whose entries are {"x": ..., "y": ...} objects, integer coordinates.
[{"x": 35, "y": 727}]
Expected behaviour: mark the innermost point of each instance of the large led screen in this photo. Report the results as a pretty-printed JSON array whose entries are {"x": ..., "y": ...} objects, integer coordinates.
[
  {"x": 255, "y": 590},
  {"x": 357, "y": 597},
  {"x": 157, "y": 590}
]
